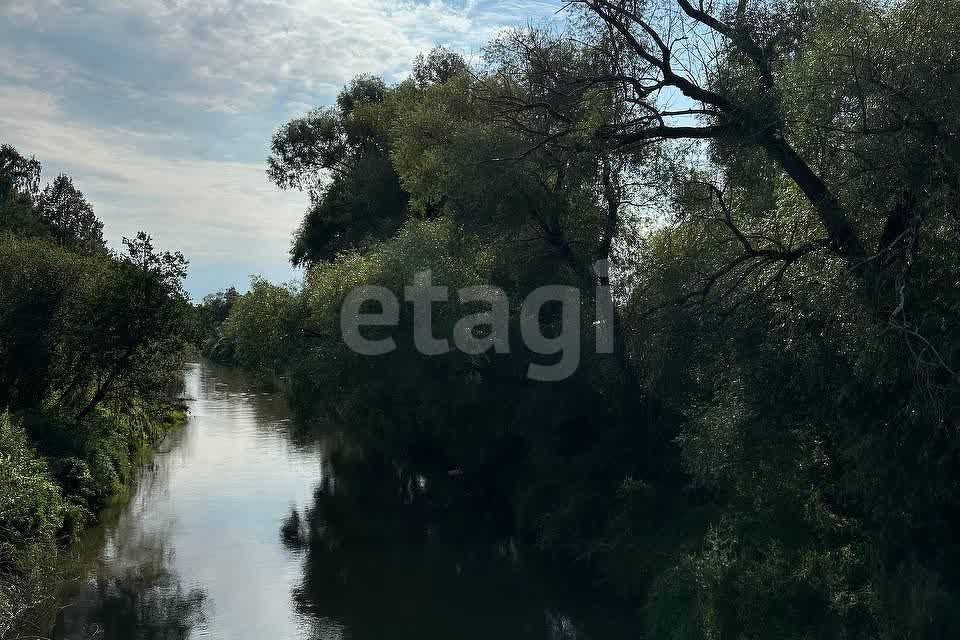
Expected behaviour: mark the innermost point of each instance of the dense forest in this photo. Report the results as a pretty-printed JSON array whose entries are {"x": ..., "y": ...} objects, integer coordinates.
[
  {"x": 771, "y": 448},
  {"x": 91, "y": 357}
]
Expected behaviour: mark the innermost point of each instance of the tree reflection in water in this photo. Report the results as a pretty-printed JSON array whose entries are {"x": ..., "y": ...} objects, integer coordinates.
[
  {"x": 384, "y": 561},
  {"x": 133, "y": 596}
]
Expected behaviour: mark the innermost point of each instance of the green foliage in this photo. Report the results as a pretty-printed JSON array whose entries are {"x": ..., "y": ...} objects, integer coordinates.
[
  {"x": 90, "y": 361},
  {"x": 31, "y": 506},
  {"x": 340, "y": 157},
  {"x": 263, "y": 327},
  {"x": 208, "y": 319},
  {"x": 515, "y": 223},
  {"x": 772, "y": 452},
  {"x": 59, "y": 212},
  {"x": 19, "y": 188},
  {"x": 32, "y": 514},
  {"x": 70, "y": 217},
  {"x": 87, "y": 329}
]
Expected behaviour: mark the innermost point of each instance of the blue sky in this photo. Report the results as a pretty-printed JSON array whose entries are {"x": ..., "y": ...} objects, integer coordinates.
[{"x": 162, "y": 110}]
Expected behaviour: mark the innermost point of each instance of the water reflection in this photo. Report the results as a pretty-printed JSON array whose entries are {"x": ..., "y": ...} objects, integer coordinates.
[
  {"x": 246, "y": 527},
  {"x": 195, "y": 551},
  {"x": 145, "y": 600},
  {"x": 385, "y": 561}
]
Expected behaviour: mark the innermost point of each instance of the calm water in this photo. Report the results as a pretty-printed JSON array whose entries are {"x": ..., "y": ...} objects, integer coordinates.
[{"x": 197, "y": 552}]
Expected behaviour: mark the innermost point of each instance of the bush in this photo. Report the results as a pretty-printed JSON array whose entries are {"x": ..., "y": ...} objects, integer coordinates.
[
  {"x": 32, "y": 515},
  {"x": 31, "y": 503}
]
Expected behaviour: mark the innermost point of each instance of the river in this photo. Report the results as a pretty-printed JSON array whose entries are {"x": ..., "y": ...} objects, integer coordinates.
[{"x": 197, "y": 550}]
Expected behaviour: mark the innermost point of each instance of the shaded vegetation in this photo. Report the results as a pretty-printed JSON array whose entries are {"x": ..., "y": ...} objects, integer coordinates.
[
  {"x": 91, "y": 346},
  {"x": 771, "y": 450}
]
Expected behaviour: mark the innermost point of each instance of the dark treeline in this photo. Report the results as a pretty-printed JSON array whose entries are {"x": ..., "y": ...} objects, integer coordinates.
[
  {"x": 91, "y": 348},
  {"x": 772, "y": 450}
]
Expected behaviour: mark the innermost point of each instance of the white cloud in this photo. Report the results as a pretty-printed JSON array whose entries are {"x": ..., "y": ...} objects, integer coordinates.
[
  {"x": 20, "y": 12},
  {"x": 235, "y": 51},
  {"x": 125, "y": 95},
  {"x": 215, "y": 212},
  {"x": 261, "y": 48}
]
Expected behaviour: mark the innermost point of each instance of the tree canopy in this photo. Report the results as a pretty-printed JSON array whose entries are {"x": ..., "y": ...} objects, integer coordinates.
[{"x": 771, "y": 451}]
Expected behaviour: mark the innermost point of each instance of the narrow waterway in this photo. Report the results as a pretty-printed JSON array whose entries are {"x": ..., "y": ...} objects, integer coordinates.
[{"x": 198, "y": 550}]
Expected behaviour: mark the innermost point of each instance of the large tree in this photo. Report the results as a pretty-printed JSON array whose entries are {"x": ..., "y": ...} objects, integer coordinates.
[
  {"x": 341, "y": 157},
  {"x": 69, "y": 216}
]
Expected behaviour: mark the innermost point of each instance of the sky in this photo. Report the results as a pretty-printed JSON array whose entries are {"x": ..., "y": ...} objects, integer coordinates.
[{"x": 162, "y": 110}]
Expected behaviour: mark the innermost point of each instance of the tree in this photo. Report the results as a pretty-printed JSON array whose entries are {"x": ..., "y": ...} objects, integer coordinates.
[
  {"x": 439, "y": 66},
  {"x": 147, "y": 325},
  {"x": 263, "y": 329},
  {"x": 19, "y": 188},
  {"x": 748, "y": 78},
  {"x": 797, "y": 277},
  {"x": 17, "y": 174},
  {"x": 341, "y": 158},
  {"x": 70, "y": 217},
  {"x": 219, "y": 304}
]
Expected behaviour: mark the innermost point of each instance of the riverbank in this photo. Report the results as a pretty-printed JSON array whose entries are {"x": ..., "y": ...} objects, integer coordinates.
[{"x": 56, "y": 479}]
